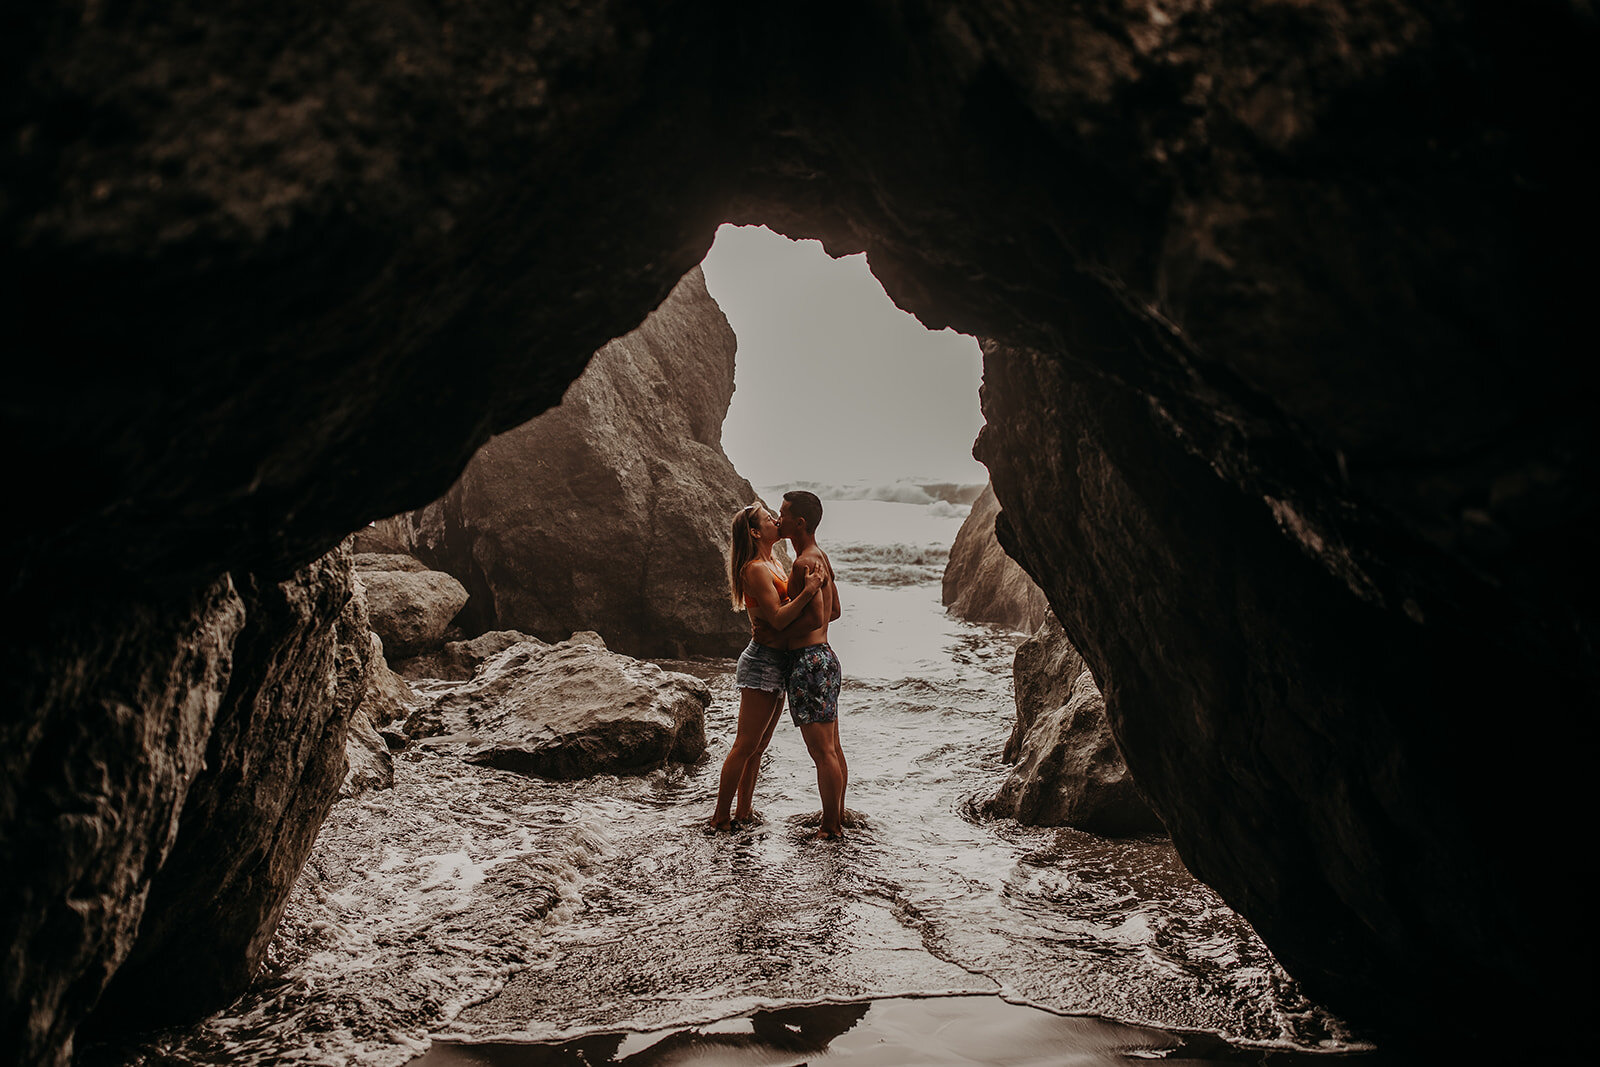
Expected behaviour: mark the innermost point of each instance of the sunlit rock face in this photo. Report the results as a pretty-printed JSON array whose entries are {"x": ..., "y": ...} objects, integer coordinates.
[
  {"x": 1287, "y": 303},
  {"x": 609, "y": 513},
  {"x": 984, "y": 584}
]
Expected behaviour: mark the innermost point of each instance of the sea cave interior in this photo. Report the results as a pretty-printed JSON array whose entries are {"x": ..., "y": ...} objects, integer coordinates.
[{"x": 1281, "y": 312}]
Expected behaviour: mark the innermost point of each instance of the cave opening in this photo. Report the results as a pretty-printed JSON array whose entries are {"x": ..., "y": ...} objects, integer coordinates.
[{"x": 834, "y": 384}]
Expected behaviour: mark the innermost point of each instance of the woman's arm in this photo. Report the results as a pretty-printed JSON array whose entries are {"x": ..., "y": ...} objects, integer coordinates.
[{"x": 761, "y": 596}]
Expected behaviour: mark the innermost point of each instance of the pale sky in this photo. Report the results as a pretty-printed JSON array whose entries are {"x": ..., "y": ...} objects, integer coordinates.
[{"x": 833, "y": 383}]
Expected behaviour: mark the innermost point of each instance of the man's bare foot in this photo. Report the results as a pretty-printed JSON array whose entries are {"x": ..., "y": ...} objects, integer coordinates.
[
  {"x": 751, "y": 818},
  {"x": 713, "y": 826},
  {"x": 824, "y": 835}
]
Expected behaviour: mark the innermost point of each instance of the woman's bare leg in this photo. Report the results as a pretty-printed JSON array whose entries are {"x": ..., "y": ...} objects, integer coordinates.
[
  {"x": 755, "y": 709},
  {"x": 743, "y": 811}
]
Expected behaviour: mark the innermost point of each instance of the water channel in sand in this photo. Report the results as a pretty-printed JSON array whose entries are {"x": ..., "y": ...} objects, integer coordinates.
[{"x": 476, "y": 905}]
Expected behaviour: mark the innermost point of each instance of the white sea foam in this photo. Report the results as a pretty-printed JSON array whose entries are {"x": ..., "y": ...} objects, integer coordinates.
[
  {"x": 414, "y": 903},
  {"x": 900, "y": 491}
]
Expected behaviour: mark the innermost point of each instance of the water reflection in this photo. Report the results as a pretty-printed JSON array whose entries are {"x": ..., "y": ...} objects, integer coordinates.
[{"x": 933, "y": 1031}]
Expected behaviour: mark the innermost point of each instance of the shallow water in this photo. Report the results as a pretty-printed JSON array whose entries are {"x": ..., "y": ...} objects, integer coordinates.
[
  {"x": 956, "y": 1030},
  {"x": 478, "y": 904}
]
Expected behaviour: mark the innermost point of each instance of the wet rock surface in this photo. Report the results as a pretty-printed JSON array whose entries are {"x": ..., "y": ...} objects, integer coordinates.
[
  {"x": 1069, "y": 771},
  {"x": 610, "y": 512},
  {"x": 459, "y": 660},
  {"x": 411, "y": 607},
  {"x": 984, "y": 584},
  {"x": 1285, "y": 406},
  {"x": 114, "y": 706},
  {"x": 389, "y": 696},
  {"x": 572, "y": 710},
  {"x": 275, "y": 760}
]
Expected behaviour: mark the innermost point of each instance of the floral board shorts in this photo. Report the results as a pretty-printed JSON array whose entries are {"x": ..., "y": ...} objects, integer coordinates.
[
  {"x": 761, "y": 667},
  {"x": 814, "y": 681}
]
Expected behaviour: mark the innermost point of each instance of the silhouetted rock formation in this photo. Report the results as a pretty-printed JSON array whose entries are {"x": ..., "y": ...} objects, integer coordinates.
[
  {"x": 411, "y": 606},
  {"x": 1285, "y": 405},
  {"x": 573, "y": 710},
  {"x": 1069, "y": 771},
  {"x": 982, "y": 583},
  {"x": 609, "y": 513}
]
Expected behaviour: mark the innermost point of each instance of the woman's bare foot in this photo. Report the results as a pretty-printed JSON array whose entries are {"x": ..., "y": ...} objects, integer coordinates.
[
  {"x": 824, "y": 835},
  {"x": 714, "y": 826},
  {"x": 749, "y": 818}
]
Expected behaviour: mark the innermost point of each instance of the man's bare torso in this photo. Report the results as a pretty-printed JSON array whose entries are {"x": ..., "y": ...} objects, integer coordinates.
[{"x": 811, "y": 628}]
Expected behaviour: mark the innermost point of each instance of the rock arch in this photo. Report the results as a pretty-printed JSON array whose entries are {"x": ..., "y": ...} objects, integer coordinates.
[{"x": 1281, "y": 390}]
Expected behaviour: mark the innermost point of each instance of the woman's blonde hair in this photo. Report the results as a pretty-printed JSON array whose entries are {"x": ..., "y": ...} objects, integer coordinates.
[{"x": 742, "y": 549}]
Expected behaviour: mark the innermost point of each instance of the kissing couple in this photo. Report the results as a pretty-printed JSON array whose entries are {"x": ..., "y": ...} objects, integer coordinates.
[{"x": 788, "y": 656}]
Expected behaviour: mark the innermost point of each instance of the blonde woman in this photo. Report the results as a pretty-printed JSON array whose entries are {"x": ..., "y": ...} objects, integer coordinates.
[{"x": 759, "y": 585}]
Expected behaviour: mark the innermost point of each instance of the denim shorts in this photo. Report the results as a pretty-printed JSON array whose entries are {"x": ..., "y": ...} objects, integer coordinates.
[{"x": 761, "y": 667}]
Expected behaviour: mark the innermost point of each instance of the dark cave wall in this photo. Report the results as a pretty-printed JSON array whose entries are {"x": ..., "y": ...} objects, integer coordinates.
[
  {"x": 1300, "y": 285},
  {"x": 105, "y": 729},
  {"x": 273, "y": 767},
  {"x": 1277, "y": 720}
]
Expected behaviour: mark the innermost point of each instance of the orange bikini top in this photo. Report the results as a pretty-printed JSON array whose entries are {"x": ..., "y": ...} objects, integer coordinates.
[{"x": 779, "y": 579}]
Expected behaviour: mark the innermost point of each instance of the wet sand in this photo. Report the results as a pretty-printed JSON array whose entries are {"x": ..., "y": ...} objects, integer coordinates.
[{"x": 878, "y": 1033}]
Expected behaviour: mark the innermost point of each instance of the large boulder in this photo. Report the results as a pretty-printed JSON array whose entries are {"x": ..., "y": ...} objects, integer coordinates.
[
  {"x": 368, "y": 764},
  {"x": 275, "y": 761},
  {"x": 458, "y": 661},
  {"x": 389, "y": 695},
  {"x": 572, "y": 710},
  {"x": 1044, "y": 671},
  {"x": 1069, "y": 771},
  {"x": 385, "y": 697},
  {"x": 411, "y": 606},
  {"x": 982, "y": 583},
  {"x": 609, "y": 513}
]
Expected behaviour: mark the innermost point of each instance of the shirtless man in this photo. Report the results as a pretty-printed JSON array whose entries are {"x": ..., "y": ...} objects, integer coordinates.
[{"x": 813, "y": 684}]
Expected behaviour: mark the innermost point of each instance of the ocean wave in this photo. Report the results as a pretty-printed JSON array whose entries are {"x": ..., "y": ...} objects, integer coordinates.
[
  {"x": 896, "y": 564},
  {"x": 901, "y": 491}
]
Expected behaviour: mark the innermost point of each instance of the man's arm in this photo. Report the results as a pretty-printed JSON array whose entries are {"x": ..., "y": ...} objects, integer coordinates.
[{"x": 762, "y": 602}]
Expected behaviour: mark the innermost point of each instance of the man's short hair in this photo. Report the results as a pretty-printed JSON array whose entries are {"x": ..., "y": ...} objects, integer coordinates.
[{"x": 805, "y": 505}]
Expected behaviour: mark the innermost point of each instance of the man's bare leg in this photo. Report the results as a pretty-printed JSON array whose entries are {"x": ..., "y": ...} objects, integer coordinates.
[
  {"x": 756, "y": 709},
  {"x": 743, "y": 811},
  {"x": 822, "y": 741},
  {"x": 844, "y": 768}
]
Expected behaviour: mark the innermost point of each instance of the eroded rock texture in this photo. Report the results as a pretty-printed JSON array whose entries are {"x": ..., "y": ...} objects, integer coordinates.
[
  {"x": 609, "y": 513},
  {"x": 1286, "y": 406},
  {"x": 105, "y": 728},
  {"x": 273, "y": 766},
  {"x": 410, "y": 606},
  {"x": 571, "y": 710},
  {"x": 984, "y": 584},
  {"x": 1069, "y": 771}
]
